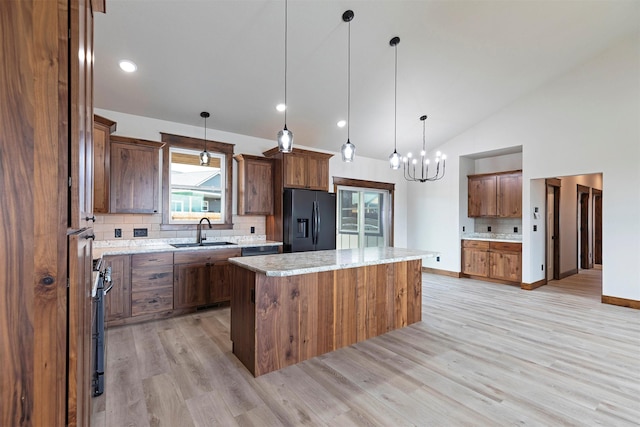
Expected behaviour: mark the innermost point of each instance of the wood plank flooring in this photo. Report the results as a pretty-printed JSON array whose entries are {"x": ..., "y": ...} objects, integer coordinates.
[{"x": 484, "y": 354}]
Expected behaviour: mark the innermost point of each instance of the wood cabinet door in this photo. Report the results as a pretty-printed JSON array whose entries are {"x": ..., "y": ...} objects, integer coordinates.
[
  {"x": 191, "y": 285},
  {"x": 475, "y": 262},
  {"x": 257, "y": 194},
  {"x": 220, "y": 281},
  {"x": 134, "y": 178},
  {"x": 295, "y": 170},
  {"x": 505, "y": 265},
  {"x": 482, "y": 197},
  {"x": 510, "y": 196},
  {"x": 118, "y": 299},
  {"x": 102, "y": 130},
  {"x": 317, "y": 173}
]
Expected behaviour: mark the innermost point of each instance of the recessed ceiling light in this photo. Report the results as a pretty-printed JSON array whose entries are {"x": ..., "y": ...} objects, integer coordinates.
[
  {"x": 342, "y": 123},
  {"x": 128, "y": 66},
  {"x": 281, "y": 107}
]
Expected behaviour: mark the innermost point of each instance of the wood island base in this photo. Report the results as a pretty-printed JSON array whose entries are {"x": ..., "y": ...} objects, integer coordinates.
[{"x": 279, "y": 321}]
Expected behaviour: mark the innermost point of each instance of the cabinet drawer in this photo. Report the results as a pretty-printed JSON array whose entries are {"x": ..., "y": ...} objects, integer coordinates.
[
  {"x": 152, "y": 259},
  {"x": 152, "y": 301},
  {"x": 151, "y": 278},
  {"x": 506, "y": 246},
  {"x": 476, "y": 244},
  {"x": 203, "y": 257}
]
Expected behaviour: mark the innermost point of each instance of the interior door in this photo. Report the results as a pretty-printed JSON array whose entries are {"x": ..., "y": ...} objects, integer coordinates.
[
  {"x": 597, "y": 226},
  {"x": 583, "y": 228}
]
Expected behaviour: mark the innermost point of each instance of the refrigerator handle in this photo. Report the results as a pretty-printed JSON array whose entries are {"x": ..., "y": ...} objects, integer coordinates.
[
  {"x": 314, "y": 223},
  {"x": 317, "y": 221}
]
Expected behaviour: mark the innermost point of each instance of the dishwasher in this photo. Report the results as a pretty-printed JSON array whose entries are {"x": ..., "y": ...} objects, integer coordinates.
[{"x": 259, "y": 250}]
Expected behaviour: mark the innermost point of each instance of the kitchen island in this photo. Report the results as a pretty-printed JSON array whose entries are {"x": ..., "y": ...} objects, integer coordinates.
[{"x": 287, "y": 308}]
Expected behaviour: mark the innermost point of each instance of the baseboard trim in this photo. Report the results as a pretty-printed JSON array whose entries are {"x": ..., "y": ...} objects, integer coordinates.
[
  {"x": 489, "y": 279},
  {"x": 441, "y": 272},
  {"x": 534, "y": 285},
  {"x": 567, "y": 273},
  {"x": 631, "y": 303}
]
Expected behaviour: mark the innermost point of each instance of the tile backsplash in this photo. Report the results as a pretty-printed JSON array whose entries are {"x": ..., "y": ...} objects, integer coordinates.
[
  {"x": 106, "y": 225},
  {"x": 498, "y": 225}
]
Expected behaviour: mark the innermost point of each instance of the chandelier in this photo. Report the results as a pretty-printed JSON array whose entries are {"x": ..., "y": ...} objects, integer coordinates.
[{"x": 410, "y": 162}]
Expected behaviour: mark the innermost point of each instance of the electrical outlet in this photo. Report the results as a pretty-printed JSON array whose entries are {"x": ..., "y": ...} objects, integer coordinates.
[
  {"x": 535, "y": 228},
  {"x": 118, "y": 232},
  {"x": 515, "y": 229},
  {"x": 463, "y": 228},
  {"x": 437, "y": 259},
  {"x": 253, "y": 230},
  {"x": 489, "y": 229},
  {"x": 542, "y": 267},
  {"x": 140, "y": 232}
]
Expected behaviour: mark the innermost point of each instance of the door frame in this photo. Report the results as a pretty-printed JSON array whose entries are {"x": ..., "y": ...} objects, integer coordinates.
[
  {"x": 583, "y": 193},
  {"x": 555, "y": 184},
  {"x": 597, "y": 226}
]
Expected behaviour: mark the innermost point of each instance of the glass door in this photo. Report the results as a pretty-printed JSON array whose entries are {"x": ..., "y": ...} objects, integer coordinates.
[{"x": 363, "y": 217}]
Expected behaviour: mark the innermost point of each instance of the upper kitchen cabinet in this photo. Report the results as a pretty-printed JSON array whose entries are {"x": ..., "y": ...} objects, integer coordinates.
[
  {"x": 255, "y": 185},
  {"x": 102, "y": 130},
  {"x": 135, "y": 176},
  {"x": 301, "y": 168},
  {"x": 495, "y": 195}
]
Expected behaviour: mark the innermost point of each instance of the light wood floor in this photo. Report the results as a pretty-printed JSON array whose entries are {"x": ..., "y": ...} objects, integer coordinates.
[{"x": 484, "y": 355}]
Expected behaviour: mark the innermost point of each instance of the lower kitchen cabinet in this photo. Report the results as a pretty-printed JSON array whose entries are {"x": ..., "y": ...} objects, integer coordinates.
[
  {"x": 494, "y": 260},
  {"x": 151, "y": 283},
  {"x": 117, "y": 301},
  {"x": 202, "y": 277}
]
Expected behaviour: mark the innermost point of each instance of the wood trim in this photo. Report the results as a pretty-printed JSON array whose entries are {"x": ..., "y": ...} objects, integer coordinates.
[
  {"x": 583, "y": 188},
  {"x": 275, "y": 151},
  {"x": 534, "y": 285},
  {"x": 171, "y": 140},
  {"x": 350, "y": 182},
  {"x": 567, "y": 273},
  {"x": 623, "y": 302},
  {"x": 109, "y": 124},
  {"x": 136, "y": 141},
  {"x": 490, "y": 279},
  {"x": 440, "y": 272},
  {"x": 495, "y": 173},
  {"x": 99, "y": 6},
  {"x": 554, "y": 182}
]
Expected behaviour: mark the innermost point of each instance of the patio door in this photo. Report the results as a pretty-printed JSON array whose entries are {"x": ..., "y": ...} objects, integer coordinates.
[{"x": 363, "y": 217}]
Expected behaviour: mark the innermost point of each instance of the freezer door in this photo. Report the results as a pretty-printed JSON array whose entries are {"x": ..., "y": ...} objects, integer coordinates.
[
  {"x": 326, "y": 221},
  {"x": 298, "y": 219}
]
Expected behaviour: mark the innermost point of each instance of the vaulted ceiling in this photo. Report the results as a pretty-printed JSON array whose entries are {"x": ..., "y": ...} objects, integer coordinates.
[{"x": 459, "y": 62}]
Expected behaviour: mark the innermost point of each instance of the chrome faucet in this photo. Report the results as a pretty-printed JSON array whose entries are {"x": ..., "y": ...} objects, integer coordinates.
[{"x": 199, "y": 237}]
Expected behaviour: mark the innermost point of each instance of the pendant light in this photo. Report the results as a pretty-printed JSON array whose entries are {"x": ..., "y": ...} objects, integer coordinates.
[
  {"x": 348, "y": 149},
  {"x": 410, "y": 163},
  {"x": 395, "y": 159},
  {"x": 204, "y": 156},
  {"x": 285, "y": 136}
]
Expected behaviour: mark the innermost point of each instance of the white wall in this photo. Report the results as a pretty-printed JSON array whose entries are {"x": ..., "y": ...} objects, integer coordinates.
[{"x": 586, "y": 121}]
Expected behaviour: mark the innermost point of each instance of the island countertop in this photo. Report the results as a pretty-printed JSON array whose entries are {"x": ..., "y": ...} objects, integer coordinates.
[{"x": 291, "y": 264}]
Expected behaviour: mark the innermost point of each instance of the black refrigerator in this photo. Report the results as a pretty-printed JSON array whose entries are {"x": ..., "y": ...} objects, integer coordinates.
[{"x": 309, "y": 220}]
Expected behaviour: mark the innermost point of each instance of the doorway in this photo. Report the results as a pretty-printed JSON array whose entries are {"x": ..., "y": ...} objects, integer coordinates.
[
  {"x": 584, "y": 258},
  {"x": 597, "y": 226}
]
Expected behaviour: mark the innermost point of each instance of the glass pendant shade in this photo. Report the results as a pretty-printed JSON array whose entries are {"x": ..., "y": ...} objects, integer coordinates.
[
  {"x": 395, "y": 160},
  {"x": 204, "y": 158},
  {"x": 285, "y": 140},
  {"x": 348, "y": 151}
]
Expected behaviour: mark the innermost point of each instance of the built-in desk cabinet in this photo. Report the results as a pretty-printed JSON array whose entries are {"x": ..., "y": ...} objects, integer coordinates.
[
  {"x": 495, "y": 195},
  {"x": 501, "y": 261}
]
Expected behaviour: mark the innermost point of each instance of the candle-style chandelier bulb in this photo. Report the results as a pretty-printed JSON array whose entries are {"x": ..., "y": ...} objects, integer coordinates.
[{"x": 410, "y": 169}]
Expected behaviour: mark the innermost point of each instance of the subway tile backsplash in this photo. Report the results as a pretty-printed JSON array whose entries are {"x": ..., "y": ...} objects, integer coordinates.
[
  {"x": 105, "y": 226},
  {"x": 498, "y": 225}
]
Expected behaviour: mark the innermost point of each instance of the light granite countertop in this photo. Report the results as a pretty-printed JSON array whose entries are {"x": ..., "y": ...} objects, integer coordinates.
[
  {"x": 127, "y": 247},
  {"x": 493, "y": 237},
  {"x": 291, "y": 264}
]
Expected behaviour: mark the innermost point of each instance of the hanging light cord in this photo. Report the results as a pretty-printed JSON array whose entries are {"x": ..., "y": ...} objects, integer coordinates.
[
  {"x": 395, "y": 102},
  {"x": 349, "y": 82},
  {"x": 286, "y": 20}
]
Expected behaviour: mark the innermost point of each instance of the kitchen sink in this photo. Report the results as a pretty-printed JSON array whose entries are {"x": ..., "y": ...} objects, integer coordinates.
[{"x": 197, "y": 245}]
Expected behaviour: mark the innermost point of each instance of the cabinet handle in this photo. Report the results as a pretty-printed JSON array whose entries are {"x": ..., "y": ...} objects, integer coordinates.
[
  {"x": 90, "y": 218},
  {"x": 92, "y": 236}
]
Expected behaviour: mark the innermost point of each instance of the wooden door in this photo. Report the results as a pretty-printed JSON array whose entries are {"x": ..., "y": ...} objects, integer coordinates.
[
  {"x": 134, "y": 177},
  {"x": 191, "y": 285},
  {"x": 317, "y": 173},
  {"x": 505, "y": 265},
  {"x": 510, "y": 195},
  {"x": 475, "y": 262},
  {"x": 597, "y": 226},
  {"x": 102, "y": 129},
  {"x": 255, "y": 186},
  {"x": 583, "y": 226},
  {"x": 295, "y": 170},
  {"x": 80, "y": 305},
  {"x": 118, "y": 299},
  {"x": 220, "y": 281},
  {"x": 482, "y": 195}
]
